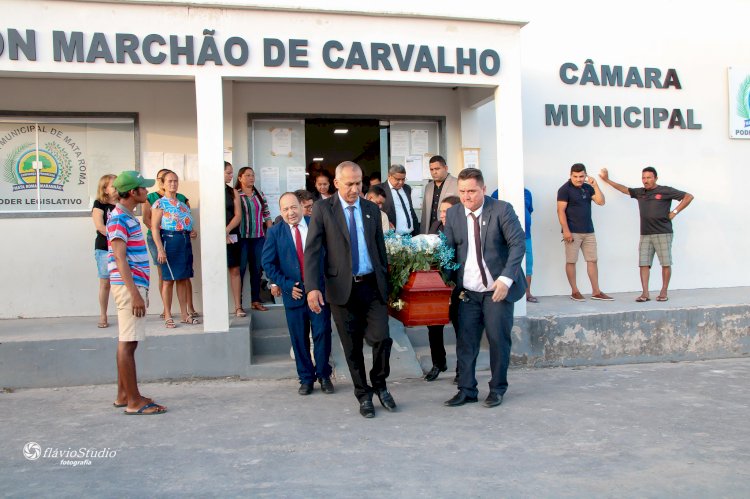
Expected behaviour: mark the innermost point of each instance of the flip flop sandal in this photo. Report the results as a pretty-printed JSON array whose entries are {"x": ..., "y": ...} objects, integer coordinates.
[
  {"x": 193, "y": 314},
  {"x": 643, "y": 299},
  {"x": 102, "y": 325},
  {"x": 662, "y": 298},
  {"x": 169, "y": 324},
  {"x": 191, "y": 320},
  {"x": 240, "y": 313},
  {"x": 139, "y": 412}
]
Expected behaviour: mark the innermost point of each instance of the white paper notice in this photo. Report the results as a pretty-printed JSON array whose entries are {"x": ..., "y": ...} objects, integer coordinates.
[
  {"x": 152, "y": 163},
  {"x": 269, "y": 180},
  {"x": 273, "y": 205},
  {"x": 417, "y": 195},
  {"x": 419, "y": 142},
  {"x": 295, "y": 178},
  {"x": 281, "y": 142},
  {"x": 413, "y": 165},
  {"x": 176, "y": 163},
  {"x": 399, "y": 143},
  {"x": 471, "y": 158},
  {"x": 191, "y": 167}
]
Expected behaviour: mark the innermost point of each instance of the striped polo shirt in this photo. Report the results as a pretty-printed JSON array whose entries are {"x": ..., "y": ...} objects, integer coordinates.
[{"x": 124, "y": 225}]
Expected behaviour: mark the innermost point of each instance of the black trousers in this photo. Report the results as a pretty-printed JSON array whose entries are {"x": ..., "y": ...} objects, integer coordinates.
[
  {"x": 477, "y": 315},
  {"x": 435, "y": 334},
  {"x": 364, "y": 318}
]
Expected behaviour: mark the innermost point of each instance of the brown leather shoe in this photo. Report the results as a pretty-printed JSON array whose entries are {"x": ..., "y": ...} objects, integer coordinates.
[{"x": 256, "y": 305}]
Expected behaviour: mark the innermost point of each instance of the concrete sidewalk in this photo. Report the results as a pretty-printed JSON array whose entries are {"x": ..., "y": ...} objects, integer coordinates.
[{"x": 647, "y": 430}]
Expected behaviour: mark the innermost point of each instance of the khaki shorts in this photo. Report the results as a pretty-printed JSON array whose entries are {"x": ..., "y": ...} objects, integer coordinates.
[
  {"x": 661, "y": 244},
  {"x": 586, "y": 243},
  {"x": 132, "y": 328}
]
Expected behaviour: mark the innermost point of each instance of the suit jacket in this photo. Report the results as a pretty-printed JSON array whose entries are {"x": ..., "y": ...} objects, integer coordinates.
[
  {"x": 450, "y": 188},
  {"x": 390, "y": 209},
  {"x": 328, "y": 232},
  {"x": 281, "y": 264},
  {"x": 503, "y": 242}
]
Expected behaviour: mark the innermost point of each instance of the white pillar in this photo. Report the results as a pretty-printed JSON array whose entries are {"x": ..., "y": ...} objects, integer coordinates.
[
  {"x": 509, "y": 126},
  {"x": 210, "y": 114}
]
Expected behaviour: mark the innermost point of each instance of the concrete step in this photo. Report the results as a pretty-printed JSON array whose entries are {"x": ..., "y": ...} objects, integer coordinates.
[
  {"x": 272, "y": 318},
  {"x": 271, "y": 341},
  {"x": 418, "y": 335}
]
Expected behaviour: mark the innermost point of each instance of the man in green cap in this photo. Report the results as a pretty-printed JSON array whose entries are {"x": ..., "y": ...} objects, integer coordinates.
[{"x": 129, "y": 276}]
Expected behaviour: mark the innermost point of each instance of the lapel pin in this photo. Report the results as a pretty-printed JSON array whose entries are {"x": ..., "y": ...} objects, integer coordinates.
[
  {"x": 484, "y": 223},
  {"x": 368, "y": 216}
]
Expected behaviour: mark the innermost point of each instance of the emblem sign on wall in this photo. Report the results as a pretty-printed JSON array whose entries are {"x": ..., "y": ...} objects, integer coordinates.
[{"x": 739, "y": 103}]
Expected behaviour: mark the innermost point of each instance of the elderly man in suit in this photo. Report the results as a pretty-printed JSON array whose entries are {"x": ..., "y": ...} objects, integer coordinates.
[
  {"x": 442, "y": 185},
  {"x": 398, "y": 205},
  {"x": 489, "y": 239},
  {"x": 347, "y": 227},
  {"x": 283, "y": 261}
]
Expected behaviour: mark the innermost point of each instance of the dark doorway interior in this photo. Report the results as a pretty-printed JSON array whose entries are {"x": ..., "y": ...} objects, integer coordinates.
[{"x": 360, "y": 144}]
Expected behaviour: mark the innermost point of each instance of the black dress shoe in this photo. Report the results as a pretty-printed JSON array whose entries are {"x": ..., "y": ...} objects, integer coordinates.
[
  {"x": 326, "y": 386},
  {"x": 366, "y": 409},
  {"x": 434, "y": 373},
  {"x": 386, "y": 400},
  {"x": 459, "y": 399},
  {"x": 493, "y": 400},
  {"x": 305, "y": 388}
]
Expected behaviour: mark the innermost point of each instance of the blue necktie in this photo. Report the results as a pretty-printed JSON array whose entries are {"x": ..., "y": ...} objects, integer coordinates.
[{"x": 353, "y": 240}]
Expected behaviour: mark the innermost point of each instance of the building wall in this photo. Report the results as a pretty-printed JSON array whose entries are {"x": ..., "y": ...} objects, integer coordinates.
[
  {"x": 711, "y": 241},
  {"x": 59, "y": 277}
]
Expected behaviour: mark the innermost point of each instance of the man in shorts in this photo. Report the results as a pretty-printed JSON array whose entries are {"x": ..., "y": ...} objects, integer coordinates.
[
  {"x": 129, "y": 276},
  {"x": 654, "y": 205},
  {"x": 574, "y": 212}
]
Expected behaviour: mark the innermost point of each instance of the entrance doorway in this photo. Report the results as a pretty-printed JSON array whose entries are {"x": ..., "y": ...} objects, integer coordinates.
[{"x": 328, "y": 142}]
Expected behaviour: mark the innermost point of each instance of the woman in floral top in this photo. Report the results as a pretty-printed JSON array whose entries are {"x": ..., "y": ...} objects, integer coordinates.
[
  {"x": 172, "y": 228},
  {"x": 256, "y": 218}
]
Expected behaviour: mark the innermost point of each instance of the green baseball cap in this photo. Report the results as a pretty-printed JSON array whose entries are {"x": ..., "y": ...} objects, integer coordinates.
[{"x": 129, "y": 180}]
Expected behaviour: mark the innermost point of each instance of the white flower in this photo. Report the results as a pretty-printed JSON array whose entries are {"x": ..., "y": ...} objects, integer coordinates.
[{"x": 426, "y": 242}]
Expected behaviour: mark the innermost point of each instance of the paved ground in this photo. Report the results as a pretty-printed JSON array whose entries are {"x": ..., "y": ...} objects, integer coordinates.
[{"x": 649, "y": 430}]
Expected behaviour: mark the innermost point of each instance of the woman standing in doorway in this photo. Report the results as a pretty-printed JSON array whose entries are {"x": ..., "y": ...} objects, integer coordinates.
[
  {"x": 106, "y": 197},
  {"x": 256, "y": 218},
  {"x": 172, "y": 228},
  {"x": 233, "y": 219},
  {"x": 323, "y": 185}
]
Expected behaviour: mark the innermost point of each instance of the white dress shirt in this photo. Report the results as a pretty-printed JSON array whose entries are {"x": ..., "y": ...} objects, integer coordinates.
[
  {"x": 472, "y": 274},
  {"x": 402, "y": 218},
  {"x": 302, "y": 232}
]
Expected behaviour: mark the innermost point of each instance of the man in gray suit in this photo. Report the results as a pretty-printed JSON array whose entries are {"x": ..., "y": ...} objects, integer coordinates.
[
  {"x": 489, "y": 239},
  {"x": 348, "y": 229},
  {"x": 398, "y": 205},
  {"x": 442, "y": 185}
]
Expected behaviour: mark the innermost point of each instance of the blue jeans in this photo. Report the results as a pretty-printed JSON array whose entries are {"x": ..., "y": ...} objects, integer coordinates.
[{"x": 251, "y": 252}]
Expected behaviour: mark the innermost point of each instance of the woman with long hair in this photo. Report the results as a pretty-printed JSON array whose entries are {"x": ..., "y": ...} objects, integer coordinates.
[
  {"x": 233, "y": 219},
  {"x": 106, "y": 197},
  {"x": 256, "y": 218},
  {"x": 172, "y": 228}
]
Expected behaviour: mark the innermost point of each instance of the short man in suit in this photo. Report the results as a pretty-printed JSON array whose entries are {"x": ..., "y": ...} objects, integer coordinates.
[
  {"x": 283, "y": 261},
  {"x": 489, "y": 239},
  {"x": 348, "y": 229},
  {"x": 442, "y": 185},
  {"x": 398, "y": 205}
]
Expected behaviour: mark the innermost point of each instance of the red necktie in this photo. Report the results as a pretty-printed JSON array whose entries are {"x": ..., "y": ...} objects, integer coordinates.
[{"x": 300, "y": 254}]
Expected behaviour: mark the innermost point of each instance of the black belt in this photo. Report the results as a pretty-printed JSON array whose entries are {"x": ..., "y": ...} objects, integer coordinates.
[{"x": 362, "y": 277}]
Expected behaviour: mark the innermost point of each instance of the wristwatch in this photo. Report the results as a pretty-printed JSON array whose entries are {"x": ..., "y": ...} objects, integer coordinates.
[{"x": 675, "y": 211}]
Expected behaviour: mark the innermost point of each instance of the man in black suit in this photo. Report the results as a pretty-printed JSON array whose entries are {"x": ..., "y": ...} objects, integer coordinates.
[
  {"x": 348, "y": 228},
  {"x": 489, "y": 240},
  {"x": 398, "y": 204}
]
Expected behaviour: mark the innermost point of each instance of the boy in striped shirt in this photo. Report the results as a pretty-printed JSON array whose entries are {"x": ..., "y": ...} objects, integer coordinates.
[{"x": 129, "y": 275}]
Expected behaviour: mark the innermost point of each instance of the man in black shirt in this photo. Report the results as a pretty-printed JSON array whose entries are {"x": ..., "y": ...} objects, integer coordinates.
[{"x": 654, "y": 204}]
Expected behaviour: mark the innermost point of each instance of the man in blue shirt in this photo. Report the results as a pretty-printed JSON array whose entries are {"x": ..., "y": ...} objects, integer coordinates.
[{"x": 574, "y": 212}]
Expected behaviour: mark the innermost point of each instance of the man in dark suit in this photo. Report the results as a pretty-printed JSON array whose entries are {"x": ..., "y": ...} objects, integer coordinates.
[
  {"x": 283, "y": 262},
  {"x": 348, "y": 228},
  {"x": 489, "y": 240},
  {"x": 398, "y": 204}
]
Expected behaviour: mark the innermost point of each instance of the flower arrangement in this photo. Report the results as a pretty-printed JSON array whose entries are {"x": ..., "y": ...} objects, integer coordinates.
[{"x": 407, "y": 254}]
